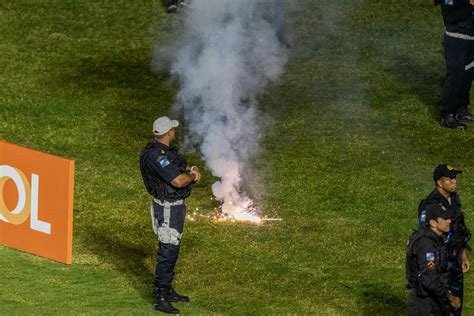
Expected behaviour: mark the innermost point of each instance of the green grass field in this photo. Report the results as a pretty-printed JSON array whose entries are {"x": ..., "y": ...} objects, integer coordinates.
[{"x": 349, "y": 155}]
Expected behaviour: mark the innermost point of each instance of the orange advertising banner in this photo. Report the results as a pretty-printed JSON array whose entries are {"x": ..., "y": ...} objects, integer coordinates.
[{"x": 36, "y": 202}]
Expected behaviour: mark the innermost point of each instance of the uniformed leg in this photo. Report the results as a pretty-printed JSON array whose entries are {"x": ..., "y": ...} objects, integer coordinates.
[
  {"x": 178, "y": 215},
  {"x": 171, "y": 221},
  {"x": 166, "y": 261},
  {"x": 463, "y": 114},
  {"x": 413, "y": 309},
  {"x": 455, "y": 54},
  {"x": 280, "y": 22},
  {"x": 171, "y": 224},
  {"x": 463, "y": 110},
  {"x": 465, "y": 93},
  {"x": 454, "y": 90},
  {"x": 465, "y": 88},
  {"x": 456, "y": 284},
  {"x": 423, "y": 306}
]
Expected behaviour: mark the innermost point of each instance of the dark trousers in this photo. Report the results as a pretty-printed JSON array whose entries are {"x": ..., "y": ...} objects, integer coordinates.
[
  {"x": 279, "y": 20},
  {"x": 458, "y": 54},
  {"x": 168, "y": 250},
  {"x": 456, "y": 284},
  {"x": 424, "y": 306}
]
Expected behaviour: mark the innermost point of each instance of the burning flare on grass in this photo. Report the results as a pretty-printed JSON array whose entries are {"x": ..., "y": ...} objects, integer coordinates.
[
  {"x": 248, "y": 215},
  {"x": 227, "y": 54}
]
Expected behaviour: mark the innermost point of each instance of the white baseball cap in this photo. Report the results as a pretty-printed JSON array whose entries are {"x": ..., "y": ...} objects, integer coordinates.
[{"x": 163, "y": 124}]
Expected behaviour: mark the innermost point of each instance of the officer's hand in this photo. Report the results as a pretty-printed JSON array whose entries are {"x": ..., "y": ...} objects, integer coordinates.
[
  {"x": 465, "y": 260},
  {"x": 471, "y": 2},
  {"x": 198, "y": 175},
  {"x": 454, "y": 301}
]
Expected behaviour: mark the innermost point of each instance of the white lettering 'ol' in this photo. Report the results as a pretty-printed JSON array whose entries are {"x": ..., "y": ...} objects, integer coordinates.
[
  {"x": 35, "y": 223},
  {"x": 7, "y": 171}
]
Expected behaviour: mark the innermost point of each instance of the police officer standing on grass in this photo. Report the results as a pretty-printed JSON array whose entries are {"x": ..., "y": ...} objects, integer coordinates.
[
  {"x": 169, "y": 179},
  {"x": 457, "y": 239},
  {"x": 426, "y": 266},
  {"x": 459, "y": 57}
]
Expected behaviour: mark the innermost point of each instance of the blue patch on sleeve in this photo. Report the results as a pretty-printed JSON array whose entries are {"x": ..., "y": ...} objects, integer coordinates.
[
  {"x": 448, "y": 2},
  {"x": 422, "y": 218},
  {"x": 430, "y": 256},
  {"x": 164, "y": 162}
]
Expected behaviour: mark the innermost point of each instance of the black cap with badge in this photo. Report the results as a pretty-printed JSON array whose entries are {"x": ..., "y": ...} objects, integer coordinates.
[
  {"x": 445, "y": 170},
  {"x": 435, "y": 211}
]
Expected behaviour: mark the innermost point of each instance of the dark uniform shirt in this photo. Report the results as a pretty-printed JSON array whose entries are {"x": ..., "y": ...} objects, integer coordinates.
[
  {"x": 457, "y": 16},
  {"x": 159, "y": 165},
  {"x": 426, "y": 265},
  {"x": 459, "y": 235}
]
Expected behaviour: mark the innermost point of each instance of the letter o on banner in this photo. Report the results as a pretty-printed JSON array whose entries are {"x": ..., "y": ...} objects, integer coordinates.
[{"x": 22, "y": 210}]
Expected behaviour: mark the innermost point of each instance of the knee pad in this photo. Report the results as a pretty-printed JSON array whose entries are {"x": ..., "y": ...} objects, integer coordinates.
[{"x": 168, "y": 235}]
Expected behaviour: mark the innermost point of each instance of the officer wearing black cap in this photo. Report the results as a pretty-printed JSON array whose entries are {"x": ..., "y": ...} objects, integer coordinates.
[
  {"x": 459, "y": 57},
  {"x": 169, "y": 179},
  {"x": 426, "y": 266},
  {"x": 457, "y": 239}
]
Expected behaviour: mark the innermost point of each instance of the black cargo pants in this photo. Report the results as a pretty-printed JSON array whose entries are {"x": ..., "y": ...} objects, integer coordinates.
[
  {"x": 424, "y": 306},
  {"x": 459, "y": 58},
  {"x": 456, "y": 283},
  {"x": 168, "y": 225}
]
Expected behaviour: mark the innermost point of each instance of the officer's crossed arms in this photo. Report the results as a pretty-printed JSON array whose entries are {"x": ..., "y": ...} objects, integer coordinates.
[{"x": 185, "y": 179}]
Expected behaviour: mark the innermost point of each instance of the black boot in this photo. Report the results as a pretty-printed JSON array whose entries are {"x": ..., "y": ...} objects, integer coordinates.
[
  {"x": 173, "y": 296},
  {"x": 162, "y": 302},
  {"x": 449, "y": 120},
  {"x": 172, "y": 6},
  {"x": 464, "y": 116}
]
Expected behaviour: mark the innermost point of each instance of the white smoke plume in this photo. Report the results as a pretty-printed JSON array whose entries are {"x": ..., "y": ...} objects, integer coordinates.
[{"x": 228, "y": 52}]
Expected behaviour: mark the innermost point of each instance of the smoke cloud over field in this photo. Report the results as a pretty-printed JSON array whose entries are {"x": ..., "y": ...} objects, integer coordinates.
[{"x": 226, "y": 55}]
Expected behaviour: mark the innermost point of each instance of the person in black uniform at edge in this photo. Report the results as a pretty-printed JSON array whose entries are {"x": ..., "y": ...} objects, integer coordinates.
[
  {"x": 457, "y": 239},
  {"x": 426, "y": 266},
  {"x": 459, "y": 57},
  {"x": 169, "y": 179}
]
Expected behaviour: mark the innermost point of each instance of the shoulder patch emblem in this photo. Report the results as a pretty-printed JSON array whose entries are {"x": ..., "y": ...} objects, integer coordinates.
[
  {"x": 423, "y": 216},
  {"x": 430, "y": 256},
  {"x": 164, "y": 162},
  {"x": 431, "y": 264}
]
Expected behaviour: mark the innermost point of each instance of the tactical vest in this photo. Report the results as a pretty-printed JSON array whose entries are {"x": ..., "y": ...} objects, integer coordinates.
[
  {"x": 412, "y": 265},
  {"x": 458, "y": 18},
  {"x": 154, "y": 184},
  {"x": 459, "y": 235}
]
